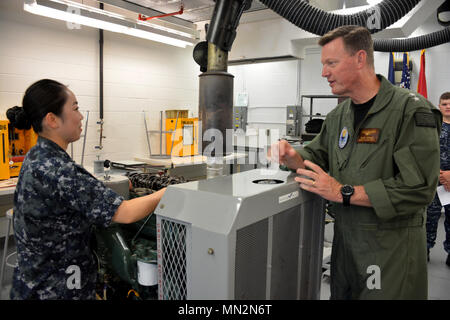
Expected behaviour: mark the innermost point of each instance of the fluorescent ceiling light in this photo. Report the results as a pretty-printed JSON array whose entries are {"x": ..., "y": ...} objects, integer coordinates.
[
  {"x": 38, "y": 7},
  {"x": 373, "y": 2},
  {"x": 78, "y": 5},
  {"x": 150, "y": 24},
  {"x": 181, "y": 33}
]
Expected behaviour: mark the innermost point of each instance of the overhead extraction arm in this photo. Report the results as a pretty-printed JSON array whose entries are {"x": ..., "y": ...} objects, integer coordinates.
[{"x": 216, "y": 85}]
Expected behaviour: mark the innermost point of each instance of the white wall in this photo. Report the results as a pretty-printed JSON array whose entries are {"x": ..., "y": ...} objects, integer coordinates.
[
  {"x": 312, "y": 83},
  {"x": 271, "y": 86},
  {"x": 437, "y": 71},
  {"x": 138, "y": 75},
  {"x": 261, "y": 39}
]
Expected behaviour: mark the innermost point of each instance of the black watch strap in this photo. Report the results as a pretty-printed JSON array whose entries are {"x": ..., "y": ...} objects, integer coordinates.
[
  {"x": 346, "y": 191},
  {"x": 346, "y": 200}
]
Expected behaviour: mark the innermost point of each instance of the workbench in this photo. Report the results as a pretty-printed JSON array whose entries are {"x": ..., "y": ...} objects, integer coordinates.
[{"x": 194, "y": 167}]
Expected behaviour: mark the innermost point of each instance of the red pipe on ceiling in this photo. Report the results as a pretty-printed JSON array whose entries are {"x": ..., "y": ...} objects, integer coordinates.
[{"x": 143, "y": 18}]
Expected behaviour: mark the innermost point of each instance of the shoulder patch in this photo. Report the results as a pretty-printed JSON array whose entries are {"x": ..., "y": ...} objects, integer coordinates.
[{"x": 425, "y": 119}]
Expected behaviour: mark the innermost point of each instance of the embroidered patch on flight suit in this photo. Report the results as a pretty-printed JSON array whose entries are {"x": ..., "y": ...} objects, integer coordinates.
[
  {"x": 425, "y": 119},
  {"x": 368, "y": 135},
  {"x": 343, "y": 138}
]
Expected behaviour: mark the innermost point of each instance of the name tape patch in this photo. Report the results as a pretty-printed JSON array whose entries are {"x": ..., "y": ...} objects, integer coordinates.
[{"x": 368, "y": 135}]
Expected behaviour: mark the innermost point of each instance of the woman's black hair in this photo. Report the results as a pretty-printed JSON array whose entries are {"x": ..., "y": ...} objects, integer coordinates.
[{"x": 41, "y": 97}]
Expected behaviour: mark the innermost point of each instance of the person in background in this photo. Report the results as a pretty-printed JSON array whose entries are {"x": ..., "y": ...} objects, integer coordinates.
[
  {"x": 376, "y": 159},
  {"x": 435, "y": 208},
  {"x": 57, "y": 202}
]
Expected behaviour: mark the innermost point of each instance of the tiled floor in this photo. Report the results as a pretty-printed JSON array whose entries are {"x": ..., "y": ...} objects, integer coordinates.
[{"x": 438, "y": 271}]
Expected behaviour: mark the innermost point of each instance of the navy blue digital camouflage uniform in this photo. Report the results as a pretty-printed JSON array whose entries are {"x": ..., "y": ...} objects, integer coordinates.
[
  {"x": 56, "y": 204},
  {"x": 434, "y": 209}
]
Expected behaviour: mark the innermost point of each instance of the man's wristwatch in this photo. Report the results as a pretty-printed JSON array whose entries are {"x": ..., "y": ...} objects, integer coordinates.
[{"x": 347, "y": 191}]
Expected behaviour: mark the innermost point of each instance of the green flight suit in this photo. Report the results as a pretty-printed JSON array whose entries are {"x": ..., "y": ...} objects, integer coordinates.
[{"x": 399, "y": 172}]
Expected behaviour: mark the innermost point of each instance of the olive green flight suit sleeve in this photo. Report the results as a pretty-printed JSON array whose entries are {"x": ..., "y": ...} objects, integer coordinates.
[{"x": 416, "y": 156}]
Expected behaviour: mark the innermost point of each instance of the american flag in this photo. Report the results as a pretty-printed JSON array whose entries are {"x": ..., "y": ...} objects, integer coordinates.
[
  {"x": 391, "y": 71},
  {"x": 406, "y": 75}
]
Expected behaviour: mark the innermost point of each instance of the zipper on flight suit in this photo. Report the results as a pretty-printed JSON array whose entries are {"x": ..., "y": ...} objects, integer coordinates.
[{"x": 344, "y": 165}]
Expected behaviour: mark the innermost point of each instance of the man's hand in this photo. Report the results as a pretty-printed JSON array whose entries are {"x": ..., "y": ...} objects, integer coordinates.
[
  {"x": 444, "y": 179},
  {"x": 320, "y": 183},
  {"x": 283, "y": 153}
]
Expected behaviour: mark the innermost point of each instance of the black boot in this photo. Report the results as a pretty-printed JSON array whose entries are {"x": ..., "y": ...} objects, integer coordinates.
[
  {"x": 447, "y": 262},
  {"x": 428, "y": 255}
]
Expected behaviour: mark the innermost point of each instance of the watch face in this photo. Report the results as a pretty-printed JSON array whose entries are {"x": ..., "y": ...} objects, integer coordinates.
[{"x": 347, "y": 190}]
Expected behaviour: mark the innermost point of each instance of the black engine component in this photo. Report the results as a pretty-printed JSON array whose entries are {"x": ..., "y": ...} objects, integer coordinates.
[
  {"x": 118, "y": 247},
  {"x": 153, "y": 181}
]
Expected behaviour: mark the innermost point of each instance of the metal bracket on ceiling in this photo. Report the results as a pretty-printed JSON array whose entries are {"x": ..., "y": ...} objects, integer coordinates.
[{"x": 127, "y": 5}]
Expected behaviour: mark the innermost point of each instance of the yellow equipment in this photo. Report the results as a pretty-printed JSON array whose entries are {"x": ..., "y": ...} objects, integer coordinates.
[
  {"x": 185, "y": 142},
  {"x": 4, "y": 157},
  {"x": 14, "y": 144}
]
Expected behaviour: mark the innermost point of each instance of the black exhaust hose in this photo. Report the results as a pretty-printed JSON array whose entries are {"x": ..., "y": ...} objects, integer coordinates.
[
  {"x": 319, "y": 22},
  {"x": 413, "y": 44}
]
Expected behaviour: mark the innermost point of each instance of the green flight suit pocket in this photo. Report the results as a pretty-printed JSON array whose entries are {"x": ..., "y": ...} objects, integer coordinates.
[
  {"x": 408, "y": 168},
  {"x": 374, "y": 159},
  {"x": 373, "y": 153}
]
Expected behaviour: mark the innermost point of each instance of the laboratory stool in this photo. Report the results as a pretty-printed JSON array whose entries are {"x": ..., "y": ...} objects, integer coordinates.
[{"x": 9, "y": 216}]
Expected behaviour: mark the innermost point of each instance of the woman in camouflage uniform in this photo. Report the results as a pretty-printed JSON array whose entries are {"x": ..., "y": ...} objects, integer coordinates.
[{"x": 57, "y": 202}]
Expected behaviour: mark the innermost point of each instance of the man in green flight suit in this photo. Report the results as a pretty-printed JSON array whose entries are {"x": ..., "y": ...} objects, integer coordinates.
[{"x": 377, "y": 159}]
